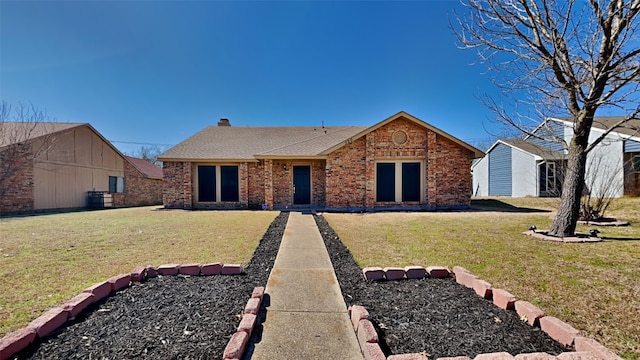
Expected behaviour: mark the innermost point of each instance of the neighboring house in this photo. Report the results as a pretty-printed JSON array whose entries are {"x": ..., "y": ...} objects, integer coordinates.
[
  {"x": 518, "y": 168},
  {"x": 535, "y": 166},
  {"x": 400, "y": 162},
  {"x": 47, "y": 166},
  {"x": 143, "y": 183}
]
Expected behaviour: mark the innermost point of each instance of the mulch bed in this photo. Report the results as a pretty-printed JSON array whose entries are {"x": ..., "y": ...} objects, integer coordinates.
[
  {"x": 170, "y": 317},
  {"x": 183, "y": 317},
  {"x": 437, "y": 317}
]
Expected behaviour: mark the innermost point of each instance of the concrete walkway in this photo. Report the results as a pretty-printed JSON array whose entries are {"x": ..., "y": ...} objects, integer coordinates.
[{"x": 307, "y": 317}]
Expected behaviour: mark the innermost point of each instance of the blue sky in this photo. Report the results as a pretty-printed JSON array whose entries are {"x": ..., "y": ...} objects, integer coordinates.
[{"x": 157, "y": 72}]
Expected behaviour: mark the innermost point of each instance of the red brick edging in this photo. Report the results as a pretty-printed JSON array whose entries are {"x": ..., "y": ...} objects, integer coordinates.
[
  {"x": 56, "y": 317},
  {"x": 585, "y": 348},
  {"x": 238, "y": 342}
]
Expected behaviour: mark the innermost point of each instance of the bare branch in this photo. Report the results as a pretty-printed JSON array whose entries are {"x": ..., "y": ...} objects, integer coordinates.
[{"x": 558, "y": 57}]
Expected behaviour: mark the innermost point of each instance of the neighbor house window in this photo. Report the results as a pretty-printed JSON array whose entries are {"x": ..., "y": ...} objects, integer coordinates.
[
  {"x": 636, "y": 163},
  {"x": 116, "y": 184},
  {"x": 549, "y": 180},
  {"x": 218, "y": 183},
  {"x": 398, "y": 181}
]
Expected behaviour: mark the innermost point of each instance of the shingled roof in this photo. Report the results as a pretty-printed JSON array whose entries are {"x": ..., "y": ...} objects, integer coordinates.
[
  {"x": 229, "y": 143},
  {"x": 147, "y": 169},
  {"x": 629, "y": 128},
  {"x": 534, "y": 149},
  {"x": 249, "y": 143}
]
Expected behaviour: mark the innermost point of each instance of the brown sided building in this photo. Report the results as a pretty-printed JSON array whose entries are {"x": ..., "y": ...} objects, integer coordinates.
[
  {"x": 47, "y": 166},
  {"x": 400, "y": 162}
]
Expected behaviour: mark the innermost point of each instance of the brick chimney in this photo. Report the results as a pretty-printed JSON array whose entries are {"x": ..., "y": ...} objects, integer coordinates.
[{"x": 224, "y": 122}]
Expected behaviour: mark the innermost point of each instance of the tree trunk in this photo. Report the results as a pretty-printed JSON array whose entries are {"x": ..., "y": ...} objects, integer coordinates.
[{"x": 566, "y": 220}]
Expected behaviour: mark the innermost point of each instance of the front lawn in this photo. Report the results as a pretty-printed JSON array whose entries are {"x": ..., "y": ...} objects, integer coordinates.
[
  {"x": 594, "y": 287},
  {"x": 47, "y": 259}
]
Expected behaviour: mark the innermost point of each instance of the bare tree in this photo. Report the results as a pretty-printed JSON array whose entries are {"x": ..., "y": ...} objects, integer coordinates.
[
  {"x": 149, "y": 153},
  {"x": 559, "y": 57},
  {"x": 19, "y": 125}
]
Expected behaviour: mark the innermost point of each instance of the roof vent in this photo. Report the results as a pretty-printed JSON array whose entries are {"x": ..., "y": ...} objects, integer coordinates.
[{"x": 224, "y": 122}]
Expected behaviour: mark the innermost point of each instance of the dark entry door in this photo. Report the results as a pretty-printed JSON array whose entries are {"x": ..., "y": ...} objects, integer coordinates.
[{"x": 302, "y": 185}]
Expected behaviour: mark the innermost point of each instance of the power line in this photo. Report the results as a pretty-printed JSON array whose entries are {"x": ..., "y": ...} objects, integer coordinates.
[{"x": 138, "y": 143}]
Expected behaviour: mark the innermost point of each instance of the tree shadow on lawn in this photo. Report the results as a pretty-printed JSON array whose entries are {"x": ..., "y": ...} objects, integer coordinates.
[
  {"x": 497, "y": 205},
  {"x": 613, "y": 238}
]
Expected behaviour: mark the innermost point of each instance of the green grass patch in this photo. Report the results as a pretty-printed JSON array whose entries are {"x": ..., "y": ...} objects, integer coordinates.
[
  {"x": 593, "y": 286},
  {"x": 47, "y": 259}
]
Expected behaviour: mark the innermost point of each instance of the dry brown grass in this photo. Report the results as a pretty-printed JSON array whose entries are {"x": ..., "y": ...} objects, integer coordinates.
[
  {"x": 594, "y": 287},
  {"x": 47, "y": 259}
]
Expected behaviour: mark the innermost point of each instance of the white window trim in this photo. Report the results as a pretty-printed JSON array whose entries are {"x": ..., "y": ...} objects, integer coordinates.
[
  {"x": 398, "y": 178},
  {"x": 119, "y": 184},
  {"x": 551, "y": 177}
]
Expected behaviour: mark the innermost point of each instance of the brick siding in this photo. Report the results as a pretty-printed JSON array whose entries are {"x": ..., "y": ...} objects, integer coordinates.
[
  {"x": 178, "y": 187},
  {"x": 138, "y": 189},
  {"x": 346, "y": 179},
  {"x": 351, "y": 169},
  {"x": 346, "y": 176},
  {"x": 452, "y": 174},
  {"x": 17, "y": 189},
  {"x": 255, "y": 184}
]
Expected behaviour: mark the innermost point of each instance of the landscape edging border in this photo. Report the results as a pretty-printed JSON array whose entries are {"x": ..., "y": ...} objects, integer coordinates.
[
  {"x": 557, "y": 329},
  {"x": 56, "y": 317},
  {"x": 240, "y": 339}
]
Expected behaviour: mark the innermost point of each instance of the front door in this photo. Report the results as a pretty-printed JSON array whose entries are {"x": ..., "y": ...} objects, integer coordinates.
[{"x": 302, "y": 185}]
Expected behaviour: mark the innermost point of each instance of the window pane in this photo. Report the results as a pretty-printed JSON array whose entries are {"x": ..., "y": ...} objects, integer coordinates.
[
  {"x": 636, "y": 163},
  {"x": 410, "y": 181},
  {"x": 551, "y": 177},
  {"x": 120, "y": 185},
  {"x": 206, "y": 183},
  {"x": 542, "y": 170},
  {"x": 385, "y": 182},
  {"x": 229, "y": 183},
  {"x": 113, "y": 184}
]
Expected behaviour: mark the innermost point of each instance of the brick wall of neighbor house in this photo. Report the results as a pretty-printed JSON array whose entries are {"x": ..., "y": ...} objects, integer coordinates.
[
  {"x": 345, "y": 176},
  {"x": 178, "y": 189},
  {"x": 138, "y": 189},
  {"x": 18, "y": 190}
]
